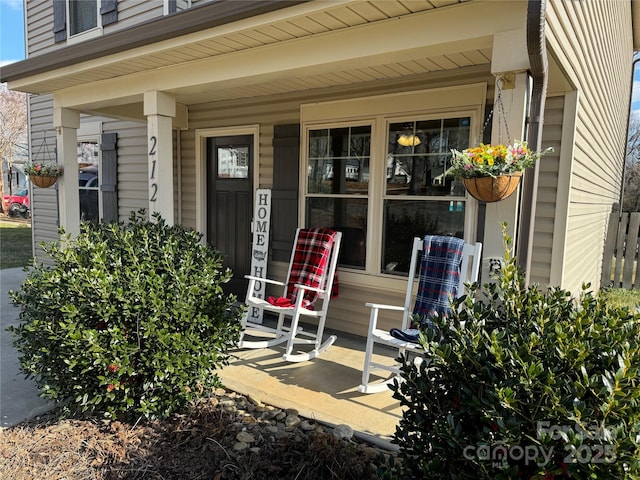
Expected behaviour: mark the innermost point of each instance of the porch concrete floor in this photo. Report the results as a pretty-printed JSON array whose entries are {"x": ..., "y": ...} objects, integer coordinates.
[{"x": 324, "y": 389}]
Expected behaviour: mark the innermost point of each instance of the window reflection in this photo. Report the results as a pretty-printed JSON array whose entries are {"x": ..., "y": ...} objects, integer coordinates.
[
  {"x": 347, "y": 215},
  {"x": 88, "y": 180},
  {"x": 406, "y": 219},
  {"x": 339, "y": 160},
  {"x": 233, "y": 162},
  {"x": 418, "y": 156}
]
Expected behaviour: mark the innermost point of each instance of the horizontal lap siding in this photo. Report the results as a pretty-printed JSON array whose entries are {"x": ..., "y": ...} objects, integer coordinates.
[
  {"x": 133, "y": 12},
  {"x": 44, "y": 201},
  {"x": 132, "y": 165},
  {"x": 547, "y": 193},
  {"x": 593, "y": 42},
  {"x": 39, "y": 15}
]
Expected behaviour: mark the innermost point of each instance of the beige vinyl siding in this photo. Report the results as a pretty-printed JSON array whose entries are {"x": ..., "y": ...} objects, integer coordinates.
[
  {"x": 44, "y": 204},
  {"x": 39, "y": 15},
  {"x": 134, "y": 12},
  {"x": 541, "y": 264},
  {"x": 592, "y": 41},
  {"x": 347, "y": 312},
  {"x": 132, "y": 165}
]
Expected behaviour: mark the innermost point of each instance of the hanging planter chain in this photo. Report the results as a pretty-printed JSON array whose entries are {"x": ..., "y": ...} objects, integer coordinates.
[
  {"x": 490, "y": 189},
  {"x": 498, "y": 104},
  {"x": 44, "y": 145}
]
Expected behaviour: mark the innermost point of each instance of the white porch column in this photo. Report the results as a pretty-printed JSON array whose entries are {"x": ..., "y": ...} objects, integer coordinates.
[
  {"x": 160, "y": 108},
  {"x": 509, "y": 66},
  {"x": 66, "y": 123}
]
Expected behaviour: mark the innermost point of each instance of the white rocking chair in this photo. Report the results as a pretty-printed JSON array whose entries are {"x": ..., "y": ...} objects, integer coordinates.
[
  {"x": 307, "y": 292},
  {"x": 469, "y": 269}
]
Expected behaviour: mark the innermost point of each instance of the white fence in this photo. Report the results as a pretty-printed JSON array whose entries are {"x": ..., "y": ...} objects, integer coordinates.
[{"x": 619, "y": 265}]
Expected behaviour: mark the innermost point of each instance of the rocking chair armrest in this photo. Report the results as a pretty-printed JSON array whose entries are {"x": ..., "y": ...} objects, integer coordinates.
[
  {"x": 266, "y": 280},
  {"x": 307, "y": 287},
  {"x": 373, "y": 317},
  {"x": 380, "y": 306}
]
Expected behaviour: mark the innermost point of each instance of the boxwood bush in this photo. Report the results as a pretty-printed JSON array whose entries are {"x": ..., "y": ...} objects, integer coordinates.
[
  {"x": 130, "y": 319},
  {"x": 523, "y": 383}
]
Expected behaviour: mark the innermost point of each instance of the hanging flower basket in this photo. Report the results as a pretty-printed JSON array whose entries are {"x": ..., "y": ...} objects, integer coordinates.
[
  {"x": 43, "y": 181},
  {"x": 491, "y": 173},
  {"x": 492, "y": 189},
  {"x": 43, "y": 174}
]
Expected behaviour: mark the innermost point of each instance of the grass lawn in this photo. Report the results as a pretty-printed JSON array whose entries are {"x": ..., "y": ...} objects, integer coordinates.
[
  {"x": 15, "y": 244},
  {"x": 620, "y": 297}
]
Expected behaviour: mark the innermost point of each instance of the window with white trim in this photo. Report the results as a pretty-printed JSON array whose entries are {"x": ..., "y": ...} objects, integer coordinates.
[
  {"x": 420, "y": 198},
  {"x": 380, "y": 175},
  {"x": 83, "y": 15},
  {"x": 417, "y": 197},
  {"x": 77, "y": 20},
  {"x": 338, "y": 186}
]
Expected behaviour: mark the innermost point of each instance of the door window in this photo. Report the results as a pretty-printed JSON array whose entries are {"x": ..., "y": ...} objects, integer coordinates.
[{"x": 233, "y": 162}]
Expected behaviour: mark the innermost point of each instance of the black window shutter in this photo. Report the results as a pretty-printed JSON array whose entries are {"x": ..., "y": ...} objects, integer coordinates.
[
  {"x": 109, "y": 184},
  {"x": 59, "y": 20},
  {"x": 173, "y": 6},
  {"x": 284, "y": 195},
  {"x": 109, "y": 11}
]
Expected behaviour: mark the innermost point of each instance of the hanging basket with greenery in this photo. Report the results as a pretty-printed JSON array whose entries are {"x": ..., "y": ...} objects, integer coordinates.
[
  {"x": 43, "y": 174},
  {"x": 492, "y": 172}
]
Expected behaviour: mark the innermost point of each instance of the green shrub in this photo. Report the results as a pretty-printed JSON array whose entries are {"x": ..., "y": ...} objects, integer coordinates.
[
  {"x": 534, "y": 385},
  {"x": 129, "y": 319}
]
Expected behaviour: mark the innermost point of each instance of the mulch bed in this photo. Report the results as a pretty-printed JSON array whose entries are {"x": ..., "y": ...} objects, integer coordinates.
[{"x": 199, "y": 444}]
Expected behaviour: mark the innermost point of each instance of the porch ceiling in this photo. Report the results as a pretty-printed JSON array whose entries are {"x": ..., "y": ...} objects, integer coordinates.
[{"x": 305, "y": 23}]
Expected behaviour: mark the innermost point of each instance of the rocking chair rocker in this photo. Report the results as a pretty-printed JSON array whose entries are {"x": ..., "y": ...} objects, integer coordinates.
[{"x": 307, "y": 291}]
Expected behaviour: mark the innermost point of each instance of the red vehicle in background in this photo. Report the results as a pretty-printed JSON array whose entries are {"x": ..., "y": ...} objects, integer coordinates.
[{"x": 17, "y": 205}]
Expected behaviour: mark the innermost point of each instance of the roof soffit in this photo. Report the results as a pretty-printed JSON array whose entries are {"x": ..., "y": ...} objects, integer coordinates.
[
  {"x": 400, "y": 45},
  {"x": 121, "y": 59},
  {"x": 201, "y": 17}
]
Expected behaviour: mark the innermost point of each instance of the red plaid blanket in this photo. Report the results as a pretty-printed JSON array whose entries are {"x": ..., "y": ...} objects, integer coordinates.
[{"x": 310, "y": 264}]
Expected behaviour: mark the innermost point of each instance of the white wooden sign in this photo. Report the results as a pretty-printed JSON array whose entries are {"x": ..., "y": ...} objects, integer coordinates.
[{"x": 260, "y": 248}]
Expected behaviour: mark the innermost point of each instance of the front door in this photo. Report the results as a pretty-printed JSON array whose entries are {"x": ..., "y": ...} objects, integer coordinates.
[{"x": 230, "y": 204}]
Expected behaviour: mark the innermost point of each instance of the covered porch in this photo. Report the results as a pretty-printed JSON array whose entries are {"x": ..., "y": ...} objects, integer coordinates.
[{"x": 324, "y": 389}]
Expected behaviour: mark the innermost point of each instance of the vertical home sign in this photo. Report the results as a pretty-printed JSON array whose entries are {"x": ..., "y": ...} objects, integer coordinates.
[{"x": 260, "y": 248}]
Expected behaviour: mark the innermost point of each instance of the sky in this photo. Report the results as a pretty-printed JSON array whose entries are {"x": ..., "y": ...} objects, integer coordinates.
[
  {"x": 11, "y": 31},
  {"x": 12, "y": 43},
  {"x": 635, "y": 93}
]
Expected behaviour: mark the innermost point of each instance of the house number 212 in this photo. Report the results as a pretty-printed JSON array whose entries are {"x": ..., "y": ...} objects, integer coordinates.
[{"x": 152, "y": 152}]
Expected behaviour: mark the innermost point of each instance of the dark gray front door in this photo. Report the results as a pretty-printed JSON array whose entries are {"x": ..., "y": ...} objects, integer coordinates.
[{"x": 230, "y": 204}]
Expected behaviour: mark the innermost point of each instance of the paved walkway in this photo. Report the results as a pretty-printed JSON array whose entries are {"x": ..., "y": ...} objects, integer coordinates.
[{"x": 18, "y": 397}]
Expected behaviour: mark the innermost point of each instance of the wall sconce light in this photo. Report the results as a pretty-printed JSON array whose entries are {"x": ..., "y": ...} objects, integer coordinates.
[{"x": 409, "y": 140}]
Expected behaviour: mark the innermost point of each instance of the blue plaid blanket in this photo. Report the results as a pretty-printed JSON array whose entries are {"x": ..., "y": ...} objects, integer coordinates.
[
  {"x": 438, "y": 283},
  {"x": 439, "y": 275}
]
